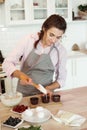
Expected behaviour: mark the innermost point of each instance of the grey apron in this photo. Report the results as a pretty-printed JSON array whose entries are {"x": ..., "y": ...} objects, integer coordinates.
[{"x": 40, "y": 68}]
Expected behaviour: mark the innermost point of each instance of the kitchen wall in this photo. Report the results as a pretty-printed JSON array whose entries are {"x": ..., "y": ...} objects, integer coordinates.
[{"x": 9, "y": 36}]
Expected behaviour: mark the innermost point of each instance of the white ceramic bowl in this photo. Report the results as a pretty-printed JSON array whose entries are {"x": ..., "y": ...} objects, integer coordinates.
[{"x": 11, "y": 100}]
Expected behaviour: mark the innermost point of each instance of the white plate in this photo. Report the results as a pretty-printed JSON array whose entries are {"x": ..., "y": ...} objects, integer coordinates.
[
  {"x": 13, "y": 126},
  {"x": 26, "y": 127},
  {"x": 34, "y": 118},
  {"x": 16, "y": 112}
]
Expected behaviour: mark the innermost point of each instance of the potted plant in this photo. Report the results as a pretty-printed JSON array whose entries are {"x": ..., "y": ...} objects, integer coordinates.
[{"x": 82, "y": 11}]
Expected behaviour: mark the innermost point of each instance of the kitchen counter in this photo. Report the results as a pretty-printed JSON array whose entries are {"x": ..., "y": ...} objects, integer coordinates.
[
  {"x": 76, "y": 54},
  {"x": 73, "y": 100}
]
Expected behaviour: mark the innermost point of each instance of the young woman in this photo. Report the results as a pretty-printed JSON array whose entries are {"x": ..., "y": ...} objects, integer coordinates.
[{"x": 43, "y": 58}]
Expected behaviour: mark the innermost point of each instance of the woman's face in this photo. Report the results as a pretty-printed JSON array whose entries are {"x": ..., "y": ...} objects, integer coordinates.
[{"x": 51, "y": 36}]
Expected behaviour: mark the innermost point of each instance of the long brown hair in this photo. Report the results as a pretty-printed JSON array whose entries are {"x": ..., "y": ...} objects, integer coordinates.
[{"x": 52, "y": 21}]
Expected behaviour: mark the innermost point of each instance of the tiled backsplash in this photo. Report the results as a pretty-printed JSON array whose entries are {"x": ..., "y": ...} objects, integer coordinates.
[
  {"x": 8, "y": 41},
  {"x": 9, "y": 37}
]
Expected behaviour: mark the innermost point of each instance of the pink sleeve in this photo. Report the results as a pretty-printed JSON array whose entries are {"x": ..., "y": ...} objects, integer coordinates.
[{"x": 23, "y": 49}]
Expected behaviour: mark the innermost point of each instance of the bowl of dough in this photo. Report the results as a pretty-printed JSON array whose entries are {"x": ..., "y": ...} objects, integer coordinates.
[{"x": 11, "y": 100}]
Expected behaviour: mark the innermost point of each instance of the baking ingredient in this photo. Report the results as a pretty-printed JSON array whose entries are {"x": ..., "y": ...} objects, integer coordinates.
[
  {"x": 20, "y": 108},
  {"x": 34, "y": 100},
  {"x": 40, "y": 114},
  {"x": 45, "y": 98},
  {"x": 56, "y": 98},
  {"x": 38, "y": 109},
  {"x": 11, "y": 100},
  {"x": 28, "y": 112},
  {"x": 12, "y": 121}
]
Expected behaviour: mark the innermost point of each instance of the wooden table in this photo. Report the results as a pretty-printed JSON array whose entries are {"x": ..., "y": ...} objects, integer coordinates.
[{"x": 74, "y": 100}]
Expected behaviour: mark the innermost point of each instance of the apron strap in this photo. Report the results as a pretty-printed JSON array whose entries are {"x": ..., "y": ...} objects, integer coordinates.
[{"x": 57, "y": 65}]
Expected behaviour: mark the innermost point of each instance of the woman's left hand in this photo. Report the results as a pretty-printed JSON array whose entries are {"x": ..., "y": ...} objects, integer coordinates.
[{"x": 49, "y": 91}]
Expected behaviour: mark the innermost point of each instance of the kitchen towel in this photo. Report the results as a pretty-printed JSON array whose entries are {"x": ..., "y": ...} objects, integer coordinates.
[{"x": 69, "y": 118}]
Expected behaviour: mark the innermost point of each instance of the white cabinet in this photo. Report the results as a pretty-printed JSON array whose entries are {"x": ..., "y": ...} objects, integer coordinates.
[
  {"x": 81, "y": 71},
  {"x": 39, "y": 9},
  {"x": 35, "y": 11},
  {"x": 69, "y": 78},
  {"x": 76, "y": 72},
  {"x": 16, "y": 11},
  {"x": 19, "y": 12},
  {"x": 63, "y": 7}
]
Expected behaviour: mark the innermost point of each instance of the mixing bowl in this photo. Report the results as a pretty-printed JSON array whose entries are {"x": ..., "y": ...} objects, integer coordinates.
[{"x": 11, "y": 100}]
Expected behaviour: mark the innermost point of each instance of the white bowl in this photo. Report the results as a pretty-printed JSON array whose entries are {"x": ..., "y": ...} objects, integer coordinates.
[{"x": 11, "y": 100}]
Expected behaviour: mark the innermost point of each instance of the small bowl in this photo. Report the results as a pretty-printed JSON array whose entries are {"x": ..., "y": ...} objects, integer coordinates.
[
  {"x": 55, "y": 98},
  {"x": 34, "y": 100},
  {"x": 45, "y": 98}
]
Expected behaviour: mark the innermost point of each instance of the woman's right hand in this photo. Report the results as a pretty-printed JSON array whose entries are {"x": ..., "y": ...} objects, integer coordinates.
[{"x": 24, "y": 79}]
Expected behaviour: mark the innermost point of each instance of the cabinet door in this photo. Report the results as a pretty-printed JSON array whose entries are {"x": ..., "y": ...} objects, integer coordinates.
[
  {"x": 81, "y": 72},
  {"x": 16, "y": 12},
  {"x": 44, "y": 8},
  {"x": 39, "y": 8},
  {"x": 25, "y": 11},
  {"x": 76, "y": 72},
  {"x": 63, "y": 8},
  {"x": 70, "y": 75}
]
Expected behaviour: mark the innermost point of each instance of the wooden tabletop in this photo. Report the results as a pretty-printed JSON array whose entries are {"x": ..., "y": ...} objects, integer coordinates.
[{"x": 73, "y": 100}]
